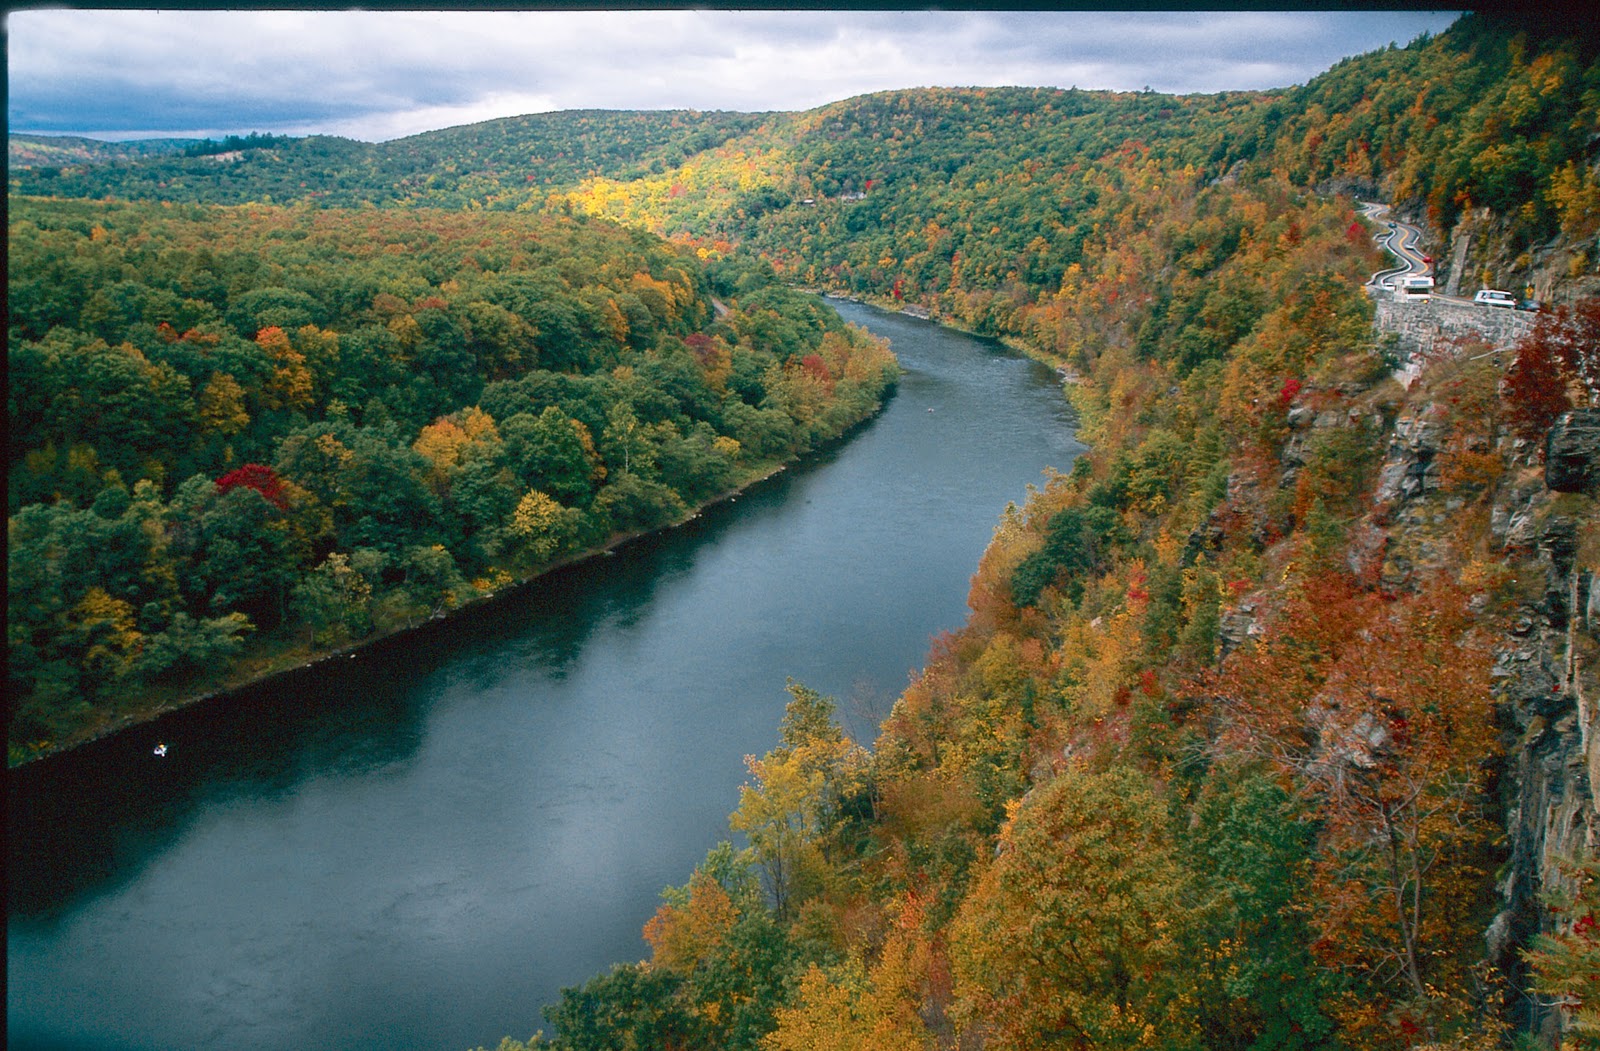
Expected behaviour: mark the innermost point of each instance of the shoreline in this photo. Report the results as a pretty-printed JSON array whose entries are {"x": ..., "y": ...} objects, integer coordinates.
[
  {"x": 481, "y": 604},
  {"x": 922, "y": 312}
]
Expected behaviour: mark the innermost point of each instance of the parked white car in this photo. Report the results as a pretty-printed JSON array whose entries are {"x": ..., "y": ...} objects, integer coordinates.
[{"x": 1493, "y": 297}]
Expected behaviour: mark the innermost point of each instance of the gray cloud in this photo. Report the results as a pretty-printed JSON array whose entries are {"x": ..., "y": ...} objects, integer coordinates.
[{"x": 381, "y": 74}]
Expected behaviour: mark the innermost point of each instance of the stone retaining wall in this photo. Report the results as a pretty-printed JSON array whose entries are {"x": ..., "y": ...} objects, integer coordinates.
[{"x": 1420, "y": 326}]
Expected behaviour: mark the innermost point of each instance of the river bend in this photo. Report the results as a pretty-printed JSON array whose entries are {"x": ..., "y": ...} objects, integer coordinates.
[{"x": 417, "y": 850}]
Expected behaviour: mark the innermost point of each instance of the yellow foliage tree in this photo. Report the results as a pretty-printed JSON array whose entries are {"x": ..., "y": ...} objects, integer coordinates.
[
  {"x": 1072, "y": 937},
  {"x": 221, "y": 405},
  {"x": 857, "y": 1007},
  {"x": 104, "y": 626},
  {"x": 790, "y": 810},
  {"x": 544, "y": 527},
  {"x": 289, "y": 386}
]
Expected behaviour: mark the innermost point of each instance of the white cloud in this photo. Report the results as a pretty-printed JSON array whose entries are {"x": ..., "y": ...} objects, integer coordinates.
[
  {"x": 379, "y": 127},
  {"x": 380, "y": 74}
]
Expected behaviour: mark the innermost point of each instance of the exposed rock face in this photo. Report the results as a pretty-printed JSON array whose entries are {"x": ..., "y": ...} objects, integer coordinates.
[
  {"x": 1408, "y": 468},
  {"x": 1238, "y": 625},
  {"x": 1357, "y": 187},
  {"x": 1552, "y": 759},
  {"x": 1572, "y": 453},
  {"x": 1546, "y": 672}
]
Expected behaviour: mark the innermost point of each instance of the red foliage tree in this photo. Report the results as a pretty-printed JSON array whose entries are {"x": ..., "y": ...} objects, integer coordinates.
[
  {"x": 259, "y": 477},
  {"x": 1291, "y": 387},
  {"x": 1557, "y": 368},
  {"x": 817, "y": 369},
  {"x": 1378, "y": 711}
]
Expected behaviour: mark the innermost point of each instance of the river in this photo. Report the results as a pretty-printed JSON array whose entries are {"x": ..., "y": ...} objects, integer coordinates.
[{"x": 419, "y": 848}]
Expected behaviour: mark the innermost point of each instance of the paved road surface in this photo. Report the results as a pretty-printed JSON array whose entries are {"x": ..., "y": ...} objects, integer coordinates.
[{"x": 1401, "y": 239}]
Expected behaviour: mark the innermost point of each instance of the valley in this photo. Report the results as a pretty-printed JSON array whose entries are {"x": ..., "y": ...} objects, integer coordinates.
[{"x": 1268, "y": 721}]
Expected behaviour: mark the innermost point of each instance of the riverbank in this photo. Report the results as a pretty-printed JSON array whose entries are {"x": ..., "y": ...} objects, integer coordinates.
[
  {"x": 530, "y": 775},
  {"x": 924, "y": 313},
  {"x": 278, "y": 658}
]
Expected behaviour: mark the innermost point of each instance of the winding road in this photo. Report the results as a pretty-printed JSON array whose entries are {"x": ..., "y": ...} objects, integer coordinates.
[{"x": 1401, "y": 239}]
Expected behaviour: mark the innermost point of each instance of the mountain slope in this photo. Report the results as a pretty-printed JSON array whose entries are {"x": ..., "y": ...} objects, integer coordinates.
[
  {"x": 499, "y": 163},
  {"x": 1277, "y": 704},
  {"x": 1257, "y": 708},
  {"x": 35, "y": 151}
]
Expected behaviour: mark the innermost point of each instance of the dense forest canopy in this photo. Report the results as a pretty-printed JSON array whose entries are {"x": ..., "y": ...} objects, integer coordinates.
[
  {"x": 920, "y": 192},
  {"x": 1224, "y": 756},
  {"x": 497, "y": 164},
  {"x": 313, "y": 423}
]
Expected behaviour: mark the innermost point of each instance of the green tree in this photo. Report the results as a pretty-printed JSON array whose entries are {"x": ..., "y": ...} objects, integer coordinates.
[
  {"x": 433, "y": 582},
  {"x": 334, "y": 600},
  {"x": 386, "y": 502},
  {"x": 246, "y": 560},
  {"x": 553, "y": 452},
  {"x": 629, "y": 502},
  {"x": 190, "y": 646},
  {"x": 1257, "y": 984},
  {"x": 632, "y": 1008}
]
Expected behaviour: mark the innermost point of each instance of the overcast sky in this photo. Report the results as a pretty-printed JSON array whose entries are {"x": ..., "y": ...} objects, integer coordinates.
[{"x": 378, "y": 75}]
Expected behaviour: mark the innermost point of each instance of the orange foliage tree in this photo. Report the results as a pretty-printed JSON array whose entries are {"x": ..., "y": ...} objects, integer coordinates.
[{"x": 1378, "y": 711}]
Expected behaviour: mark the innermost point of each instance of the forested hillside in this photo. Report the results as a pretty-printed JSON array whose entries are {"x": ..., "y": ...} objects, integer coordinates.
[
  {"x": 1272, "y": 723},
  {"x": 497, "y": 164},
  {"x": 1241, "y": 745},
  {"x": 50, "y": 151},
  {"x": 978, "y": 201},
  {"x": 240, "y": 436}
]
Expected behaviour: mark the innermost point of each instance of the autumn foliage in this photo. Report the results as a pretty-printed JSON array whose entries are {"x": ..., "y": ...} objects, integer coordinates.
[
  {"x": 1215, "y": 761},
  {"x": 428, "y": 405},
  {"x": 1557, "y": 367},
  {"x": 259, "y": 477},
  {"x": 1377, "y": 710}
]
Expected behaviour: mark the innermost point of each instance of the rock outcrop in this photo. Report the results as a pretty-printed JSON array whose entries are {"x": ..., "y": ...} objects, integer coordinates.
[
  {"x": 1543, "y": 531},
  {"x": 1572, "y": 453}
]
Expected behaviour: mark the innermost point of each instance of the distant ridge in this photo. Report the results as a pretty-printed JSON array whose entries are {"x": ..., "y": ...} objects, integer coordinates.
[{"x": 33, "y": 151}]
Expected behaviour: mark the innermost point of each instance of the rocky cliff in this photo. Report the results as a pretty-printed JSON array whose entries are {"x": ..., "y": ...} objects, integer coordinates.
[
  {"x": 1483, "y": 248},
  {"x": 1530, "y": 516}
]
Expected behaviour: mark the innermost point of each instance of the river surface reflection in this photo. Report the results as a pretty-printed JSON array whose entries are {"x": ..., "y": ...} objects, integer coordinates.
[{"x": 418, "y": 847}]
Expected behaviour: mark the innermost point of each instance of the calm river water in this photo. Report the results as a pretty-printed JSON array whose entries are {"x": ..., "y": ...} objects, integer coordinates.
[{"x": 419, "y": 848}]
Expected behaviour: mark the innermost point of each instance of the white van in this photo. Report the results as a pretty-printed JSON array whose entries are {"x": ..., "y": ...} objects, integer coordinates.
[{"x": 1493, "y": 297}]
